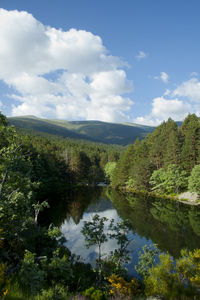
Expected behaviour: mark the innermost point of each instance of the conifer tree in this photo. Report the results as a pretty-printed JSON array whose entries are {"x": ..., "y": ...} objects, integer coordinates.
[
  {"x": 157, "y": 142},
  {"x": 172, "y": 149},
  {"x": 140, "y": 170},
  {"x": 121, "y": 174},
  {"x": 190, "y": 133}
]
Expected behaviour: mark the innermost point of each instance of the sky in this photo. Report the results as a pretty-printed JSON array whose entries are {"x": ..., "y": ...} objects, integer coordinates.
[{"x": 115, "y": 61}]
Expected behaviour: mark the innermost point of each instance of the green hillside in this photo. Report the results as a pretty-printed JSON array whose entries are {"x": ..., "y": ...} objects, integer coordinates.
[{"x": 109, "y": 133}]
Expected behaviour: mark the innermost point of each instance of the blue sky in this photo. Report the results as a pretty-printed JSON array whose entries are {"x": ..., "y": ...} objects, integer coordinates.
[{"x": 131, "y": 61}]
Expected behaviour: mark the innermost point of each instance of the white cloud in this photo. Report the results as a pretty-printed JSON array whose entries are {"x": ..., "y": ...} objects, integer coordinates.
[
  {"x": 76, "y": 241},
  {"x": 163, "y": 76},
  {"x": 177, "y": 109},
  {"x": 189, "y": 89},
  {"x": 60, "y": 74},
  {"x": 162, "y": 109},
  {"x": 167, "y": 92},
  {"x": 141, "y": 55}
]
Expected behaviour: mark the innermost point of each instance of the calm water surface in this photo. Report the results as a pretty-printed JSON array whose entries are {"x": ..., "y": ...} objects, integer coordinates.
[{"x": 170, "y": 225}]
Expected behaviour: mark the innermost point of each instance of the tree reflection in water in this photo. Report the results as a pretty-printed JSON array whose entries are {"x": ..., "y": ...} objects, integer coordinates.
[{"x": 170, "y": 225}]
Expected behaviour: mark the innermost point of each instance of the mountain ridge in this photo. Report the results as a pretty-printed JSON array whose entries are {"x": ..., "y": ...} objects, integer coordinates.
[{"x": 92, "y": 130}]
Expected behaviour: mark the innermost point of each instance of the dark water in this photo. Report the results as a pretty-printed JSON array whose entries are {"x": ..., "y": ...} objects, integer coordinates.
[{"x": 170, "y": 225}]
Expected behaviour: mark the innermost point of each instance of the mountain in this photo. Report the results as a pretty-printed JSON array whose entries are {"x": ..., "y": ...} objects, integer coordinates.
[{"x": 97, "y": 131}]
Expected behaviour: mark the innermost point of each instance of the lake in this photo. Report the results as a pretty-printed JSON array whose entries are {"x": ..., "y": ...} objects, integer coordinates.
[{"x": 170, "y": 225}]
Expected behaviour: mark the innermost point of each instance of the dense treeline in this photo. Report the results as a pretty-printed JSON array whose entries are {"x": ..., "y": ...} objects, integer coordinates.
[
  {"x": 164, "y": 160},
  {"x": 81, "y": 161},
  {"x": 31, "y": 169},
  {"x": 34, "y": 168},
  {"x": 35, "y": 264}
]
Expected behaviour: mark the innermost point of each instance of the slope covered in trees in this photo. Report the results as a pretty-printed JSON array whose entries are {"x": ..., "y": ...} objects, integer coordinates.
[
  {"x": 32, "y": 168},
  {"x": 163, "y": 161},
  {"x": 35, "y": 264},
  {"x": 108, "y": 133}
]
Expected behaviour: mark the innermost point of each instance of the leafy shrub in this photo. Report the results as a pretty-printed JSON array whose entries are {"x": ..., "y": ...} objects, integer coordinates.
[
  {"x": 57, "y": 292},
  {"x": 147, "y": 259},
  {"x": 179, "y": 279},
  {"x": 121, "y": 287},
  {"x": 94, "y": 294},
  {"x": 31, "y": 278}
]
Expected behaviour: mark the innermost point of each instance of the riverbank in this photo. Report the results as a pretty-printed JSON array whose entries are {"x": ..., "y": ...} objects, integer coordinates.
[{"x": 190, "y": 198}]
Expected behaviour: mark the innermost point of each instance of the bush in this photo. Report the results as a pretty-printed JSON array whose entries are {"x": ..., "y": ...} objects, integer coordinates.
[
  {"x": 94, "y": 294},
  {"x": 179, "y": 279},
  {"x": 194, "y": 180},
  {"x": 119, "y": 287}
]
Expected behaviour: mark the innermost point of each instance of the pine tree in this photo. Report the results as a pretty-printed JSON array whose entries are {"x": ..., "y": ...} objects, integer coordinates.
[
  {"x": 141, "y": 169},
  {"x": 172, "y": 144},
  {"x": 157, "y": 144},
  {"x": 121, "y": 175},
  {"x": 190, "y": 133}
]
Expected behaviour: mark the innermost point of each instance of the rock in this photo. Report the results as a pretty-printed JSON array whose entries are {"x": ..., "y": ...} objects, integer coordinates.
[{"x": 190, "y": 197}]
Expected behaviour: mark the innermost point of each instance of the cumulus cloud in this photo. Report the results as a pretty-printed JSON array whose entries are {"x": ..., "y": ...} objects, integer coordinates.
[
  {"x": 162, "y": 109},
  {"x": 75, "y": 240},
  {"x": 189, "y": 89},
  {"x": 163, "y": 76},
  {"x": 183, "y": 100},
  {"x": 141, "y": 55},
  {"x": 60, "y": 74}
]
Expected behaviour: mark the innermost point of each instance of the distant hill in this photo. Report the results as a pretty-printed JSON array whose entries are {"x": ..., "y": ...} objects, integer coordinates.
[{"x": 108, "y": 133}]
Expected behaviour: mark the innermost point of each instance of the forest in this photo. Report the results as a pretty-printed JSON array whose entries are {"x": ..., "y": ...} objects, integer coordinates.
[
  {"x": 35, "y": 264},
  {"x": 166, "y": 162}
]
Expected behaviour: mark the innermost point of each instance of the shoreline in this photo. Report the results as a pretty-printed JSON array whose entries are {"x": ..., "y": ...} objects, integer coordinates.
[{"x": 186, "y": 197}]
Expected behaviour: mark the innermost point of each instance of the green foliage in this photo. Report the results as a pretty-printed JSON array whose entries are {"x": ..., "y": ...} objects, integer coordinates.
[
  {"x": 163, "y": 160},
  {"x": 57, "y": 292},
  {"x": 58, "y": 269},
  {"x": 31, "y": 278},
  {"x": 122, "y": 289},
  {"x": 176, "y": 179},
  {"x": 130, "y": 183},
  {"x": 120, "y": 232},
  {"x": 94, "y": 294},
  {"x": 121, "y": 174},
  {"x": 178, "y": 279},
  {"x": 33, "y": 167},
  {"x": 190, "y": 138},
  {"x": 194, "y": 180},
  {"x": 108, "y": 133},
  {"x": 169, "y": 181},
  {"x": 16, "y": 195},
  {"x": 109, "y": 170},
  {"x": 83, "y": 276},
  {"x": 157, "y": 181},
  {"x": 147, "y": 260},
  {"x": 39, "y": 207},
  {"x": 94, "y": 233}
]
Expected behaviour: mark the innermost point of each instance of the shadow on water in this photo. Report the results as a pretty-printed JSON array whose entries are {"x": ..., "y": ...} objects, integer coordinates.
[
  {"x": 170, "y": 225},
  {"x": 72, "y": 205}
]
